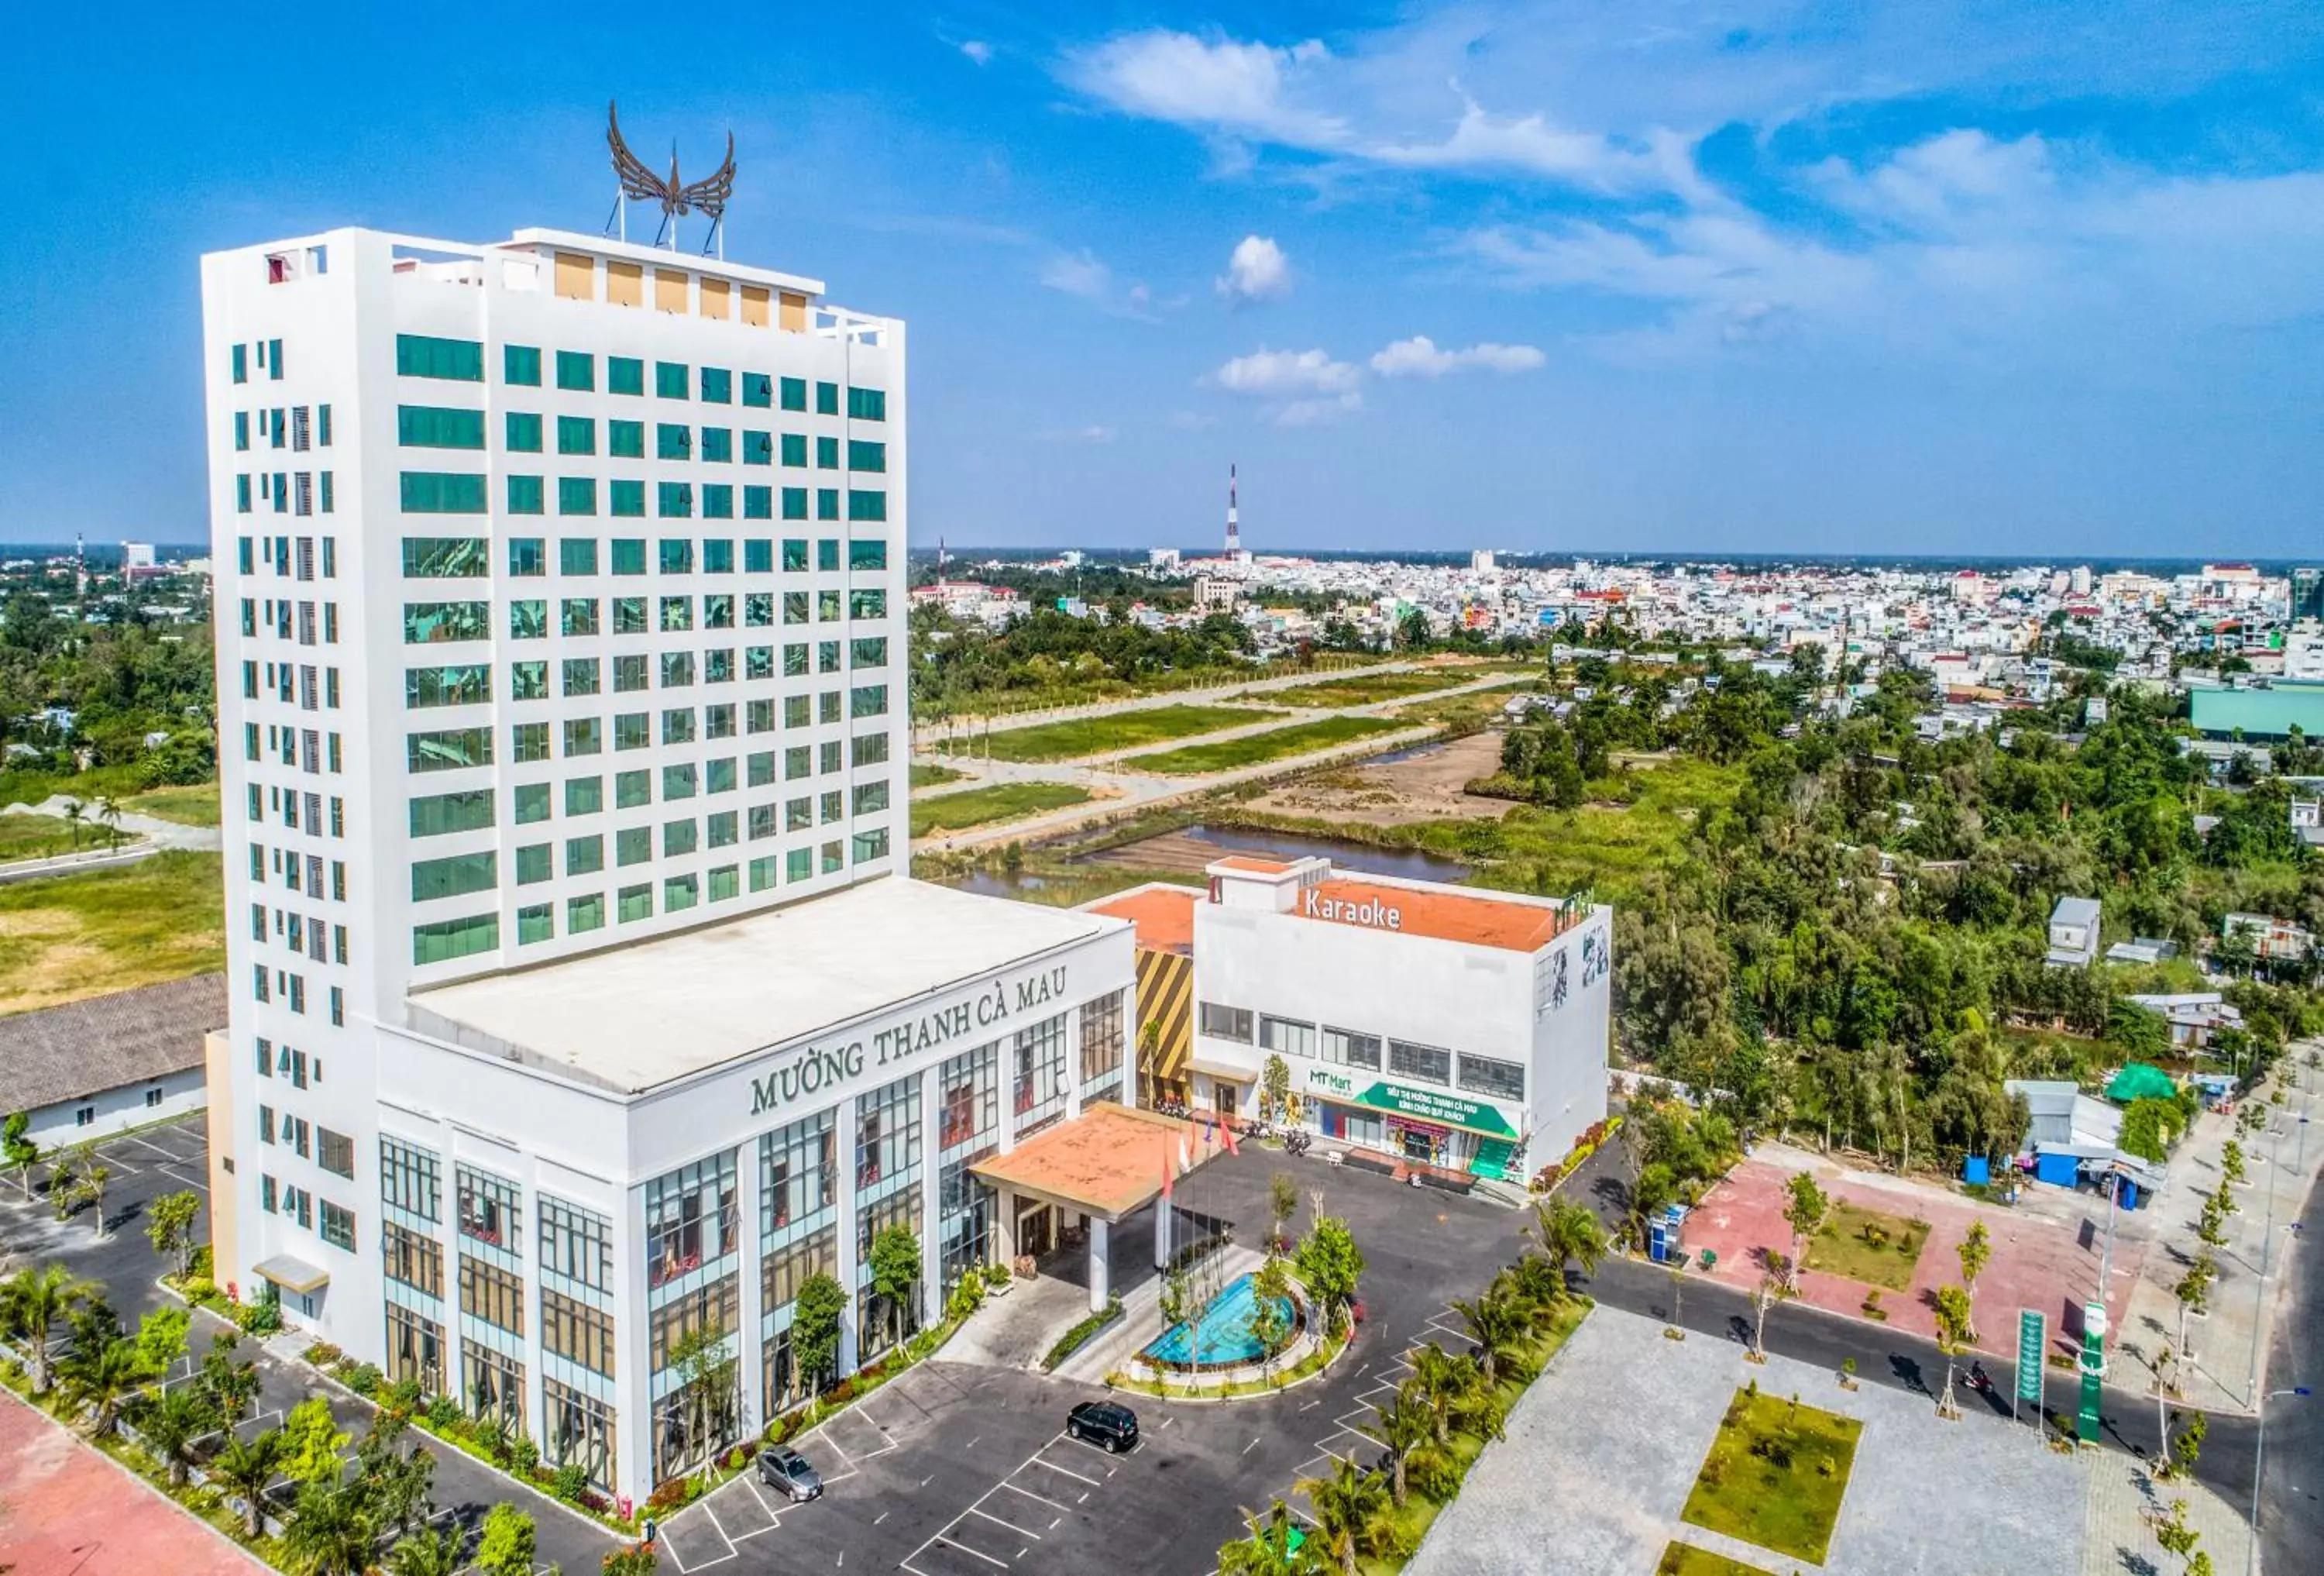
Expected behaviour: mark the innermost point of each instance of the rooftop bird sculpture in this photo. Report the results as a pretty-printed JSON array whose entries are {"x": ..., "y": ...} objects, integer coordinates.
[{"x": 677, "y": 198}]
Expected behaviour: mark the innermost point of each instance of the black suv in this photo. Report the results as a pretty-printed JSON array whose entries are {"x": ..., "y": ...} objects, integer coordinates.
[
  {"x": 1105, "y": 1423},
  {"x": 785, "y": 1470}
]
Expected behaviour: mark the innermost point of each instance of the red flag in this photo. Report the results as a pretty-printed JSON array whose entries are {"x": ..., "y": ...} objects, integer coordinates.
[{"x": 1226, "y": 1131}]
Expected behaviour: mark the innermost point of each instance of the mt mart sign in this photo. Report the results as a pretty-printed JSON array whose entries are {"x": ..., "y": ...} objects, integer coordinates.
[{"x": 1403, "y": 1099}]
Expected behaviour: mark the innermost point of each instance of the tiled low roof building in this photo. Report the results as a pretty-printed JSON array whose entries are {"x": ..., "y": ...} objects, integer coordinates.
[{"x": 94, "y": 1067}]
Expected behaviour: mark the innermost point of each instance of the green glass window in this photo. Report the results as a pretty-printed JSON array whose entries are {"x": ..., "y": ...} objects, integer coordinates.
[
  {"x": 534, "y": 864},
  {"x": 628, "y": 499},
  {"x": 446, "y": 939},
  {"x": 584, "y": 736},
  {"x": 677, "y": 556},
  {"x": 674, "y": 500},
  {"x": 630, "y": 615},
  {"x": 625, "y": 440},
  {"x": 527, "y": 496},
  {"x": 868, "y": 700},
  {"x": 758, "y": 609},
  {"x": 718, "y": 445},
  {"x": 576, "y": 371},
  {"x": 625, "y": 374},
  {"x": 520, "y": 364},
  {"x": 677, "y": 615},
  {"x": 446, "y": 557},
  {"x": 794, "y": 393},
  {"x": 678, "y": 781},
  {"x": 448, "y": 750},
  {"x": 867, "y": 404},
  {"x": 795, "y": 660},
  {"x": 582, "y": 914},
  {"x": 866, "y": 505},
  {"x": 758, "y": 448},
  {"x": 670, "y": 380},
  {"x": 759, "y": 768},
  {"x": 636, "y": 902},
  {"x": 632, "y": 731},
  {"x": 795, "y": 504},
  {"x": 577, "y": 555},
  {"x": 532, "y": 801},
  {"x": 680, "y": 892},
  {"x": 827, "y": 454},
  {"x": 866, "y": 456},
  {"x": 537, "y": 921},
  {"x": 867, "y": 605},
  {"x": 529, "y": 680},
  {"x": 427, "y": 623},
  {"x": 576, "y": 435},
  {"x": 673, "y": 440},
  {"x": 794, "y": 551},
  {"x": 795, "y": 607},
  {"x": 826, "y": 399},
  {"x": 867, "y": 554},
  {"x": 419, "y": 355},
  {"x": 529, "y": 619},
  {"x": 678, "y": 725},
  {"x": 718, "y": 777},
  {"x": 677, "y": 670},
  {"x": 827, "y": 555},
  {"x": 634, "y": 845},
  {"x": 242, "y": 430},
  {"x": 757, "y": 389},
  {"x": 528, "y": 556},
  {"x": 868, "y": 653},
  {"x": 442, "y": 493},
  {"x": 524, "y": 430},
  {"x": 628, "y": 555},
  {"x": 717, "y": 386},
  {"x": 584, "y": 857},
  {"x": 463, "y": 684},
  {"x": 584, "y": 795},
  {"x": 718, "y": 556},
  {"x": 241, "y": 359},
  {"x": 579, "y": 616},
  {"x": 629, "y": 672},
  {"x": 632, "y": 788},
  {"x": 795, "y": 448},
  {"x": 528, "y": 742},
  {"x": 717, "y": 500},
  {"x": 581, "y": 676},
  {"x": 826, "y": 606},
  {"x": 758, "y": 557},
  {"x": 757, "y": 503},
  {"x": 437, "y": 814},
  {"x": 577, "y": 495},
  {"x": 438, "y": 427},
  {"x": 455, "y": 876},
  {"x": 724, "y": 882},
  {"x": 827, "y": 504}
]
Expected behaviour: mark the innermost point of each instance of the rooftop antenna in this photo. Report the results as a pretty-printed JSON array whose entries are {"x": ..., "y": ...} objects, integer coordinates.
[
  {"x": 1234, "y": 526},
  {"x": 677, "y": 198}
]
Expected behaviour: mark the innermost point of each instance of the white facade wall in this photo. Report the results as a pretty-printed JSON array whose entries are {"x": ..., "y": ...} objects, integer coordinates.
[
  {"x": 311, "y": 597},
  {"x": 117, "y": 1111}
]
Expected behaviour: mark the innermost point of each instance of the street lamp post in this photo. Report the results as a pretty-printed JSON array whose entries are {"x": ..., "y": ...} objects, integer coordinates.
[{"x": 2259, "y": 1456}]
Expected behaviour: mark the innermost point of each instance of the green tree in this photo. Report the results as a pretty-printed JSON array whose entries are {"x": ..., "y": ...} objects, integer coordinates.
[
  {"x": 1441, "y": 1381},
  {"x": 1330, "y": 1265},
  {"x": 396, "y": 1473},
  {"x": 429, "y": 1551},
  {"x": 18, "y": 1151},
  {"x": 2231, "y": 1161},
  {"x": 1778, "y": 1280},
  {"x": 2187, "y": 1445},
  {"x": 169, "y": 1422},
  {"x": 506, "y": 1545},
  {"x": 1653, "y": 1191},
  {"x": 1349, "y": 1506},
  {"x": 1569, "y": 1234},
  {"x": 1273, "y": 1088},
  {"x": 231, "y": 1387},
  {"x": 1955, "y": 1336},
  {"x": 2193, "y": 1292},
  {"x": 311, "y": 1442},
  {"x": 245, "y": 1466},
  {"x": 1498, "y": 1324},
  {"x": 895, "y": 1275},
  {"x": 815, "y": 1328},
  {"x": 1974, "y": 1252},
  {"x": 1282, "y": 1203},
  {"x": 33, "y": 1303},
  {"x": 1404, "y": 1426},
  {"x": 1271, "y": 1312},
  {"x": 1804, "y": 1210},
  {"x": 1268, "y": 1547},
  {"x": 100, "y": 1377},
  {"x": 173, "y": 1226},
  {"x": 706, "y": 1373},
  {"x": 329, "y": 1530},
  {"x": 161, "y": 1338}
]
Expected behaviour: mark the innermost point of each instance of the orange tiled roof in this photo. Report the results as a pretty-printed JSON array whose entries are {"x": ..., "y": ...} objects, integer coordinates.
[
  {"x": 1165, "y": 916},
  {"x": 1108, "y": 1160},
  {"x": 1476, "y": 919},
  {"x": 1253, "y": 863}
]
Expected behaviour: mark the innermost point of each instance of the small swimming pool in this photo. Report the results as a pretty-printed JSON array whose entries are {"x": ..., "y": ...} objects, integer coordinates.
[{"x": 1221, "y": 1337}]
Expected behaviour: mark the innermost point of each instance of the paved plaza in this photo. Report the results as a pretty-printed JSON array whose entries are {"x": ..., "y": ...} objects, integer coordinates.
[{"x": 1604, "y": 1449}]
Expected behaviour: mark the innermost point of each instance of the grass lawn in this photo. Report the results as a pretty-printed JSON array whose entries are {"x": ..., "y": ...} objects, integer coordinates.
[
  {"x": 1122, "y": 730},
  {"x": 188, "y": 807},
  {"x": 1253, "y": 749},
  {"x": 1775, "y": 1475},
  {"x": 935, "y": 776},
  {"x": 36, "y": 837},
  {"x": 1882, "y": 1256},
  {"x": 1371, "y": 687},
  {"x": 1003, "y": 801},
  {"x": 1686, "y": 1560},
  {"x": 68, "y": 937}
]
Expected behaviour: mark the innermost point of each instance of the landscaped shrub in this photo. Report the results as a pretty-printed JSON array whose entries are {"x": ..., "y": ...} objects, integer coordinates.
[
  {"x": 323, "y": 1354},
  {"x": 571, "y": 1482},
  {"x": 444, "y": 1412},
  {"x": 669, "y": 1495},
  {"x": 523, "y": 1456},
  {"x": 364, "y": 1380},
  {"x": 403, "y": 1396}
]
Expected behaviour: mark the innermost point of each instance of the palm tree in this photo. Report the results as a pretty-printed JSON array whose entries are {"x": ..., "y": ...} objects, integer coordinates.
[
  {"x": 232, "y": 1387},
  {"x": 330, "y": 1532},
  {"x": 439, "y": 1551},
  {"x": 1405, "y": 1424},
  {"x": 108, "y": 815},
  {"x": 245, "y": 1466},
  {"x": 169, "y": 1422},
  {"x": 100, "y": 1377},
  {"x": 1499, "y": 1324},
  {"x": 1571, "y": 1234},
  {"x": 1348, "y": 1505},
  {"x": 1442, "y": 1381},
  {"x": 1268, "y": 1551},
  {"x": 33, "y": 1301},
  {"x": 76, "y": 816}
]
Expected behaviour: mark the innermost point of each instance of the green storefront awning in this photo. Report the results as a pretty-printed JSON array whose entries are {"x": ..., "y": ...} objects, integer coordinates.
[{"x": 1420, "y": 1104}]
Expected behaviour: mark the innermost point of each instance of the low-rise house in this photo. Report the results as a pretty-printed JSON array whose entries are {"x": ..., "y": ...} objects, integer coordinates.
[
  {"x": 89, "y": 1069},
  {"x": 2192, "y": 1017},
  {"x": 2073, "y": 933},
  {"x": 2272, "y": 940}
]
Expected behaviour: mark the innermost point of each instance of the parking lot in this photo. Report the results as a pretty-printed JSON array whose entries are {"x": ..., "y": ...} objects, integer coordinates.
[
  {"x": 958, "y": 1471},
  {"x": 172, "y": 1158}
]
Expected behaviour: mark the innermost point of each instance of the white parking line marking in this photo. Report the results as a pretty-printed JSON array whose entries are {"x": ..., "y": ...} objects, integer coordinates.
[
  {"x": 1035, "y": 1461},
  {"x": 880, "y": 1517},
  {"x": 1251, "y": 1447},
  {"x": 996, "y": 1521},
  {"x": 1030, "y": 1495},
  {"x": 963, "y": 1548}
]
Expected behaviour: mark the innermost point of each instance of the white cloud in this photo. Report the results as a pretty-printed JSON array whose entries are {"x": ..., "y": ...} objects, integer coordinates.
[
  {"x": 1095, "y": 434},
  {"x": 977, "y": 50},
  {"x": 1250, "y": 88},
  {"x": 1279, "y": 373},
  {"x": 1419, "y": 358},
  {"x": 1319, "y": 412},
  {"x": 1077, "y": 273},
  {"x": 1257, "y": 271}
]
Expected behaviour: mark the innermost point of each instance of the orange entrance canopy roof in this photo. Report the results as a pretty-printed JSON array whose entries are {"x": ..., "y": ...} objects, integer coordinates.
[{"x": 1107, "y": 1162}]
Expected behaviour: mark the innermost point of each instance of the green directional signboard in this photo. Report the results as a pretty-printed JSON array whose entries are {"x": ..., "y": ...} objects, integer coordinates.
[
  {"x": 2032, "y": 1333},
  {"x": 2093, "y": 1327},
  {"x": 1420, "y": 1104}
]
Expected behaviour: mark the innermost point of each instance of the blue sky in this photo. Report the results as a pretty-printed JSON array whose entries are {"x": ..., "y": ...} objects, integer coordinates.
[{"x": 2024, "y": 277}]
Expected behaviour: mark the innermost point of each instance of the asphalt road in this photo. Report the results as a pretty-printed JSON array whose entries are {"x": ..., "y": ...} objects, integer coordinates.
[{"x": 2291, "y": 1513}]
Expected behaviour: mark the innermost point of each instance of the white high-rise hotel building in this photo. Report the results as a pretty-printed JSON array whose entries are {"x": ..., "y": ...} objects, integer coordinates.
[{"x": 561, "y": 654}]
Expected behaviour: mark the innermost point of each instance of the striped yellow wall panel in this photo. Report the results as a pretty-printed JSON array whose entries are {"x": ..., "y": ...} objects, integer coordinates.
[{"x": 1166, "y": 999}]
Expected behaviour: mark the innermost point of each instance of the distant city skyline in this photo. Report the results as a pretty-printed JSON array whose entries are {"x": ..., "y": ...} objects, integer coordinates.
[{"x": 1954, "y": 280}]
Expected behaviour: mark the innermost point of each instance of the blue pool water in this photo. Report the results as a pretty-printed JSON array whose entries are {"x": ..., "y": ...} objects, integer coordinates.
[{"x": 1226, "y": 1339}]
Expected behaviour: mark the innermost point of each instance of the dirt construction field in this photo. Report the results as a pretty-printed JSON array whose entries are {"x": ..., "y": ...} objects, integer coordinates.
[{"x": 1423, "y": 786}]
